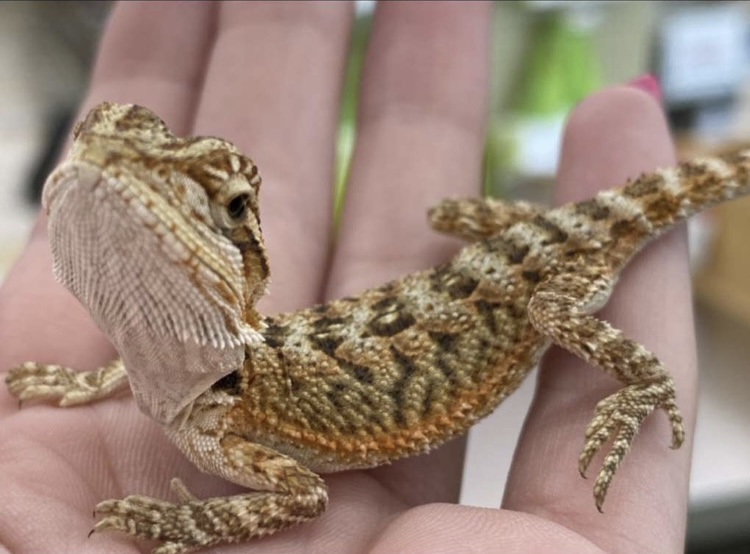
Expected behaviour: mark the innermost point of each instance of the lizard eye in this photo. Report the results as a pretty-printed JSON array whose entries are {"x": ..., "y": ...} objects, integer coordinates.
[
  {"x": 237, "y": 207},
  {"x": 232, "y": 203}
]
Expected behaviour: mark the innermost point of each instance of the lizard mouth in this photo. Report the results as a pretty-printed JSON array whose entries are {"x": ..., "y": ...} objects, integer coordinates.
[{"x": 167, "y": 296}]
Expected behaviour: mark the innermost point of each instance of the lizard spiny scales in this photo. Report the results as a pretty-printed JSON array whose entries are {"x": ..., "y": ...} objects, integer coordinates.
[{"x": 267, "y": 402}]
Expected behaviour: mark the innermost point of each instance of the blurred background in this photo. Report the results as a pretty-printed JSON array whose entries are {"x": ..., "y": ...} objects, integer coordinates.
[{"x": 547, "y": 55}]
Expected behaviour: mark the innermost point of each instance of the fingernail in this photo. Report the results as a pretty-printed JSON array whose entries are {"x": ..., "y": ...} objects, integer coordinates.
[{"x": 647, "y": 83}]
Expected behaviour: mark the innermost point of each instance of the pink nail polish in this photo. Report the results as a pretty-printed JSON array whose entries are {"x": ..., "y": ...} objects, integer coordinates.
[{"x": 647, "y": 83}]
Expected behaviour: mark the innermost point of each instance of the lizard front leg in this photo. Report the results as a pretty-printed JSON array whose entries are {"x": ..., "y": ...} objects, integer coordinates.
[
  {"x": 287, "y": 493},
  {"x": 559, "y": 310},
  {"x": 67, "y": 387},
  {"x": 478, "y": 218}
]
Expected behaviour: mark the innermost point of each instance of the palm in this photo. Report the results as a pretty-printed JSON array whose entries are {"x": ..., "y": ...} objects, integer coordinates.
[
  {"x": 84, "y": 455},
  {"x": 419, "y": 140}
]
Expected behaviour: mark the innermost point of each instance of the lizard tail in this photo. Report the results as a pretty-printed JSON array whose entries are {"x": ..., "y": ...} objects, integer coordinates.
[{"x": 668, "y": 196}]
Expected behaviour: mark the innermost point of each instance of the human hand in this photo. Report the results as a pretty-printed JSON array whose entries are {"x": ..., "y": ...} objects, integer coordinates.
[{"x": 267, "y": 77}]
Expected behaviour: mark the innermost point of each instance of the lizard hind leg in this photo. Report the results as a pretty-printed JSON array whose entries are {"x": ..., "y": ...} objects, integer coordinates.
[
  {"x": 559, "y": 309},
  {"x": 478, "y": 218}
]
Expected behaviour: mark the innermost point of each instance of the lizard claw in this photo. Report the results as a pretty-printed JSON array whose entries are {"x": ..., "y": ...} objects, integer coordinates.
[
  {"x": 182, "y": 492},
  {"x": 146, "y": 518},
  {"x": 619, "y": 417}
]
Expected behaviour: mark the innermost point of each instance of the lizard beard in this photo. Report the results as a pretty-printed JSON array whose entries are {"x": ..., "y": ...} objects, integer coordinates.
[{"x": 175, "y": 331}]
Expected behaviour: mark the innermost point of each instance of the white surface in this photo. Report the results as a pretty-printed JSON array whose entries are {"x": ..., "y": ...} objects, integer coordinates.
[
  {"x": 704, "y": 52},
  {"x": 491, "y": 446}
]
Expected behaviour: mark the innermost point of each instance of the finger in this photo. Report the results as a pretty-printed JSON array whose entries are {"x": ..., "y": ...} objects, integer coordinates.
[
  {"x": 273, "y": 88},
  {"x": 419, "y": 139},
  {"x": 420, "y": 135},
  {"x": 612, "y": 136},
  {"x": 444, "y": 528},
  {"x": 159, "y": 70},
  {"x": 154, "y": 54}
]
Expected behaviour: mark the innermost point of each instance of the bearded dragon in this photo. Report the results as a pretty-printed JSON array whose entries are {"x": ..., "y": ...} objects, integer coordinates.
[{"x": 159, "y": 237}]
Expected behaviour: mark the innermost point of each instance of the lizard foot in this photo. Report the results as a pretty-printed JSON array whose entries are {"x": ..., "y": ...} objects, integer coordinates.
[
  {"x": 64, "y": 386},
  {"x": 193, "y": 523},
  {"x": 620, "y": 416},
  {"x": 150, "y": 518},
  {"x": 32, "y": 381}
]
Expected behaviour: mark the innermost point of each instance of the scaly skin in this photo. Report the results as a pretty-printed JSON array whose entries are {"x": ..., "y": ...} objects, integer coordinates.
[{"x": 358, "y": 382}]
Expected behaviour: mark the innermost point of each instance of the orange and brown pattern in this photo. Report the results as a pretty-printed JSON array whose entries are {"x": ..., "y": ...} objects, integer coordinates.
[{"x": 354, "y": 383}]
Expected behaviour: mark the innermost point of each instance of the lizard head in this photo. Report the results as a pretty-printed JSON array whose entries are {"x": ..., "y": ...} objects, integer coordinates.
[{"x": 159, "y": 237}]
